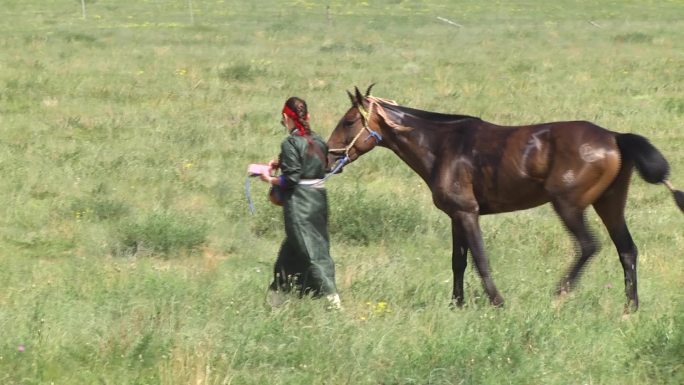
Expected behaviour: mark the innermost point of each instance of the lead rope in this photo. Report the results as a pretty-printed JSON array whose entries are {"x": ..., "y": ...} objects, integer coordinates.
[
  {"x": 248, "y": 183},
  {"x": 248, "y": 194}
]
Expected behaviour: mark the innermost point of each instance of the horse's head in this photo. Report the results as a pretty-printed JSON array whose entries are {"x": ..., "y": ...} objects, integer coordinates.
[{"x": 353, "y": 135}]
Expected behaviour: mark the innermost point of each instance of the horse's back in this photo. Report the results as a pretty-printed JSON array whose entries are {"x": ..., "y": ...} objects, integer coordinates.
[
  {"x": 525, "y": 166},
  {"x": 511, "y": 164}
]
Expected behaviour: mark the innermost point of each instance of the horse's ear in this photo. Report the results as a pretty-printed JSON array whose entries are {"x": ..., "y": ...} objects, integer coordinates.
[
  {"x": 359, "y": 97},
  {"x": 351, "y": 98},
  {"x": 369, "y": 89}
]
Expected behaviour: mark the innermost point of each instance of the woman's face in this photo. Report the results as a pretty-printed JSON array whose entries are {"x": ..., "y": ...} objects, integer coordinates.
[{"x": 287, "y": 122}]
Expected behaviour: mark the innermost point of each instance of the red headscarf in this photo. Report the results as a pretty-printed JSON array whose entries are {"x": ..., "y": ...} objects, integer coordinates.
[{"x": 293, "y": 115}]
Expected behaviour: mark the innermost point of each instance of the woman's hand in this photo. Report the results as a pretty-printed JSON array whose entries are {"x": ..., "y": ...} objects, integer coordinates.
[
  {"x": 273, "y": 164},
  {"x": 266, "y": 177}
]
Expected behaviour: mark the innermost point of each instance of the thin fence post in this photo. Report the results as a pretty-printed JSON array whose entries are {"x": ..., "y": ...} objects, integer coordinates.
[
  {"x": 83, "y": 9},
  {"x": 192, "y": 15}
]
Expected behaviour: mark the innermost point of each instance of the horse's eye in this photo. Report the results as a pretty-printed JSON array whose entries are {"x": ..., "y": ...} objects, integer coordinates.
[{"x": 350, "y": 122}]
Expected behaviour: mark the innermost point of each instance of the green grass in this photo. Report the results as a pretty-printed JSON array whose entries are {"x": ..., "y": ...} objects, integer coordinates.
[{"x": 128, "y": 254}]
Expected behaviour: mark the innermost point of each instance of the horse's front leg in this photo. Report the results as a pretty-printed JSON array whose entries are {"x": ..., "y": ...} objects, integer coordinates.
[
  {"x": 470, "y": 222},
  {"x": 459, "y": 261}
]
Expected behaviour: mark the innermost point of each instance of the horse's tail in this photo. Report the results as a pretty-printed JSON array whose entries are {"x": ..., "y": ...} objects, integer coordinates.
[{"x": 650, "y": 163}]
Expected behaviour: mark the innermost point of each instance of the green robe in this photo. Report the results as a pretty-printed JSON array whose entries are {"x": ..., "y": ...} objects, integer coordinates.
[{"x": 304, "y": 257}]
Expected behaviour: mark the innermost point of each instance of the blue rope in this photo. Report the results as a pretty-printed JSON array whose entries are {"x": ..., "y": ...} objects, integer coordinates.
[
  {"x": 337, "y": 168},
  {"x": 375, "y": 135},
  {"x": 252, "y": 210}
]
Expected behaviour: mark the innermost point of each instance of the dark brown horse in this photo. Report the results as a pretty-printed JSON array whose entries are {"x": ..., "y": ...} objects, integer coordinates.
[{"x": 474, "y": 167}]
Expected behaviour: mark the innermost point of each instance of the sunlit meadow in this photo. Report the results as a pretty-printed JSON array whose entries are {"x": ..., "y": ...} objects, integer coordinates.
[{"x": 128, "y": 254}]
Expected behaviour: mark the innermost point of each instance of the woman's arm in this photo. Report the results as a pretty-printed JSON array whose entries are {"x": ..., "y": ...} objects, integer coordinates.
[{"x": 290, "y": 162}]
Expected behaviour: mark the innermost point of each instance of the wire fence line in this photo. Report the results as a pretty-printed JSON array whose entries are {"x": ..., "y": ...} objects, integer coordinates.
[
  {"x": 191, "y": 8},
  {"x": 107, "y": 14},
  {"x": 102, "y": 14}
]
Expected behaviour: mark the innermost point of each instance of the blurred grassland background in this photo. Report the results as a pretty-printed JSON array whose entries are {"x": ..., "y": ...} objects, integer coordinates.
[{"x": 128, "y": 254}]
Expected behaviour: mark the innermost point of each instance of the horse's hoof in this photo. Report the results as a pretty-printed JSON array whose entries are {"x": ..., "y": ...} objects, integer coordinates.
[
  {"x": 456, "y": 304},
  {"x": 276, "y": 299},
  {"x": 630, "y": 308},
  {"x": 497, "y": 302},
  {"x": 557, "y": 303},
  {"x": 563, "y": 290}
]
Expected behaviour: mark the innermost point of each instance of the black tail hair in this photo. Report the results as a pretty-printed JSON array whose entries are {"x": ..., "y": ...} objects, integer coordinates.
[
  {"x": 679, "y": 198},
  {"x": 649, "y": 162}
]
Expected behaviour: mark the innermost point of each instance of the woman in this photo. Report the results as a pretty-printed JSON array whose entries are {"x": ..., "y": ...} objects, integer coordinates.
[{"x": 304, "y": 258}]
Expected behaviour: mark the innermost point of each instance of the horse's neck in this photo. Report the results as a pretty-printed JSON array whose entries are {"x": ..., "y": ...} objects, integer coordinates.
[{"x": 416, "y": 147}]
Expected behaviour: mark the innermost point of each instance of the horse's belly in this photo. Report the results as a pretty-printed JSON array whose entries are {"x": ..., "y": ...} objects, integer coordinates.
[{"x": 513, "y": 199}]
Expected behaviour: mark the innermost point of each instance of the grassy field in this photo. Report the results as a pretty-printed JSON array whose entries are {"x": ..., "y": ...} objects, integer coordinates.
[{"x": 128, "y": 254}]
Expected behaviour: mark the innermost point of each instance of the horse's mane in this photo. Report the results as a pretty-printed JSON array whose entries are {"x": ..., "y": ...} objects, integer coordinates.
[{"x": 402, "y": 113}]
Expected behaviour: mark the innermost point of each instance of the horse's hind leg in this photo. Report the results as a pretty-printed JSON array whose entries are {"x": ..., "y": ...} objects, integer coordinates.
[
  {"x": 574, "y": 220},
  {"x": 611, "y": 207}
]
